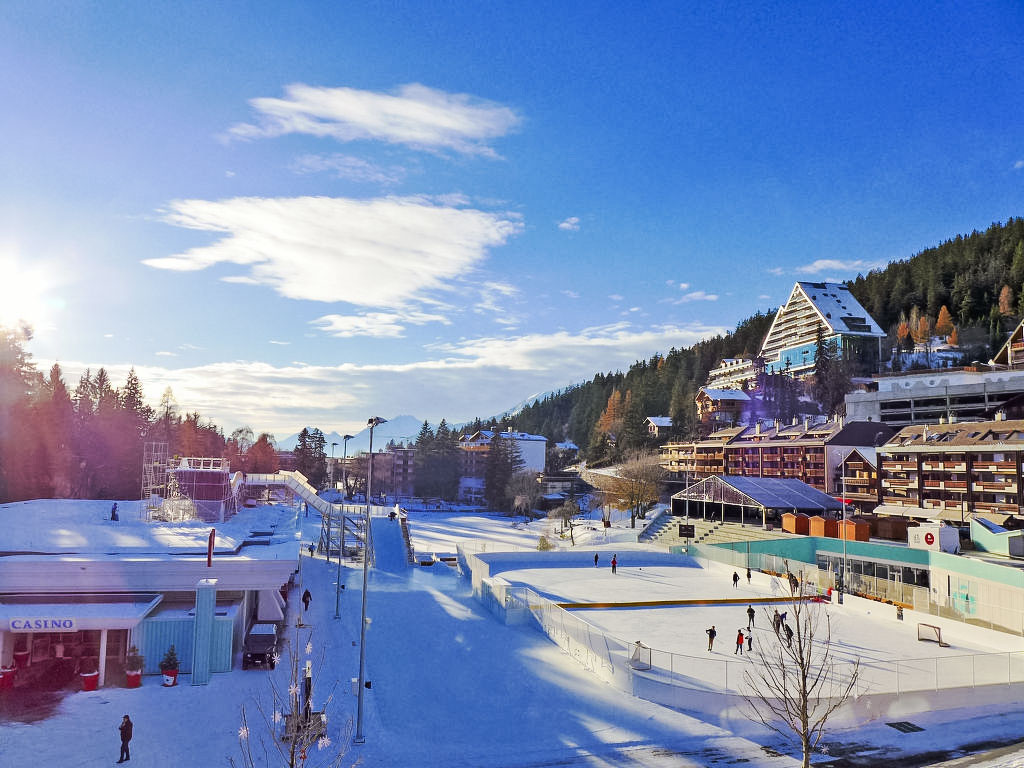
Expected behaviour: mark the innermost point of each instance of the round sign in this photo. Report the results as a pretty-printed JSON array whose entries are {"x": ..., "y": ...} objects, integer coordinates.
[{"x": 929, "y": 539}]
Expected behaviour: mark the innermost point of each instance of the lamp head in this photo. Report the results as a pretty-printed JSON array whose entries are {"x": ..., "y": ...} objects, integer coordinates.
[
  {"x": 346, "y": 438},
  {"x": 375, "y": 421}
]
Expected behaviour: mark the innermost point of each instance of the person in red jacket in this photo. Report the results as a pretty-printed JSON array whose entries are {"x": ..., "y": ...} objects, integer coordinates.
[{"x": 739, "y": 642}]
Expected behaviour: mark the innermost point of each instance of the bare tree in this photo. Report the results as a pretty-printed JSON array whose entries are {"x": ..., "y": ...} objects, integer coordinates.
[
  {"x": 637, "y": 483},
  {"x": 566, "y": 513},
  {"x": 299, "y": 736},
  {"x": 524, "y": 490},
  {"x": 796, "y": 684}
]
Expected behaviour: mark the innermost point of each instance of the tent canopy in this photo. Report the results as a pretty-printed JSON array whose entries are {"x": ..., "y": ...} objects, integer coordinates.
[{"x": 767, "y": 493}]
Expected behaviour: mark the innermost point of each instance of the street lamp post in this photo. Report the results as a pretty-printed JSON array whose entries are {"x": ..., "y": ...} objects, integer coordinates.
[
  {"x": 371, "y": 423},
  {"x": 333, "y": 445},
  {"x": 344, "y": 465},
  {"x": 842, "y": 469}
]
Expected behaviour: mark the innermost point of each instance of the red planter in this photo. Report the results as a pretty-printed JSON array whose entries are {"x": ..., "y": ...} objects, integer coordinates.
[
  {"x": 21, "y": 659},
  {"x": 133, "y": 679},
  {"x": 7, "y": 677},
  {"x": 170, "y": 677},
  {"x": 90, "y": 680}
]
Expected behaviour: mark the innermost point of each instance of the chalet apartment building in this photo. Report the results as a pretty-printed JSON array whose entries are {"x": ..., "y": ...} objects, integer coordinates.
[
  {"x": 475, "y": 449},
  {"x": 791, "y": 342},
  {"x": 951, "y": 471},
  {"x": 816, "y": 453}
]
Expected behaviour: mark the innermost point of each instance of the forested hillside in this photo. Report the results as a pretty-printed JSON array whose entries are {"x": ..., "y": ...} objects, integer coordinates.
[{"x": 979, "y": 278}]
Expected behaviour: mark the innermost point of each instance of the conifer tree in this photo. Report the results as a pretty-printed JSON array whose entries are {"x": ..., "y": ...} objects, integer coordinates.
[{"x": 944, "y": 322}]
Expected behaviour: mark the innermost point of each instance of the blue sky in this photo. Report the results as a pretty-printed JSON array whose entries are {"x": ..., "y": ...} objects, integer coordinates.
[{"x": 311, "y": 213}]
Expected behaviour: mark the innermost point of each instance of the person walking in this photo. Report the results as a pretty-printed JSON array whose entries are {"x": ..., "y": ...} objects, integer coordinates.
[
  {"x": 306, "y": 597},
  {"x": 735, "y": 579},
  {"x": 312, "y": 549},
  {"x": 750, "y": 641},
  {"x": 750, "y": 617},
  {"x": 711, "y": 636},
  {"x": 113, "y": 512},
  {"x": 748, "y": 577},
  {"x": 777, "y": 621},
  {"x": 126, "y": 736},
  {"x": 739, "y": 642},
  {"x": 615, "y": 563},
  {"x": 595, "y": 559},
  {"x": 789, "y": 635}
]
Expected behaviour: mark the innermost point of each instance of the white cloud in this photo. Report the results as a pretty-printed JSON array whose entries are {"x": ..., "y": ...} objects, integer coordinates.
[
  {"x": 571, "y": 294},
  {"x": 572, "y": 224},
  {"x": 414, "y": 115},
  {"x": 378, "y": 324},
  {"x": 696, "y": 296},
  {"x": 615, "y": 297},
  {"x": 385, "y": 253},
  {"x": 279, "y": 343},
  {"x": 684, "y": 286},
  {"x": 849, "y": 265},
  {"x": 349, "y": 167},
  {"x": 764, "y": 296},
  {"x": 164, "y": 353},
  {"x": 775, "y": 270},
  {"x": 1018, "y": 165},
  {"x": 475, "y": 377}
]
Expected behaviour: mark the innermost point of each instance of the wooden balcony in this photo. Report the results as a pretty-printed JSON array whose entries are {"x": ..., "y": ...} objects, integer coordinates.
[
  {"x": 899, "y": 466},
  {"x": 947, "y": 466},
  {"x": 900, "y": 501},
  {"x": 1001, "y": 467},
  {"x": 899, "y": 482},
  {"x": 1000, "y": 508},
  {"x": 955, "y": 485}
]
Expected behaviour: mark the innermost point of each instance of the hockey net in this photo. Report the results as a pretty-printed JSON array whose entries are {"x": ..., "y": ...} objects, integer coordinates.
[
  {"x": 641, "y": 658},
  {"x": 932, "y": 633}
]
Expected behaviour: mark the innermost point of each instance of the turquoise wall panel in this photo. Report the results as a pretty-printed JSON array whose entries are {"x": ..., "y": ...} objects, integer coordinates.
[{"x": 157, "y": 635}]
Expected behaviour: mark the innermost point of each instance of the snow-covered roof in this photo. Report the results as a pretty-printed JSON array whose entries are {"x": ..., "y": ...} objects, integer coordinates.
[
  {"x": 488, "y": 434},
  {"x": 840, "y": 310},
  {"x": 660, "y": 421},
  {"x": 568, "y": 445},
  {"x": 723, "y": 394}
]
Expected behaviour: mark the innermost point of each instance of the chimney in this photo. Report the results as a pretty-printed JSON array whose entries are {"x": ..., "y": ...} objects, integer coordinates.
[
  {"x": 757, "y": 427},
  {"x": 807, "y": 423},
  {"x": 1000, "y": 415},
  {"x": 952, "y": 418}
]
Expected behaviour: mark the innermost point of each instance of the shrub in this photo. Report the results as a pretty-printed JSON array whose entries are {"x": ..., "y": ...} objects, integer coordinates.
[
  {"x": 169, "y": 661},
  {"x": 543, "y": 544},
  {"x": 134, "y": 661}
]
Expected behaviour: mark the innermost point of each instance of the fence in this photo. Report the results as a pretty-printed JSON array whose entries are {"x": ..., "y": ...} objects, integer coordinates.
[
  {"x": 673, "y": 678},
  {"x": 964, "y": 609}
]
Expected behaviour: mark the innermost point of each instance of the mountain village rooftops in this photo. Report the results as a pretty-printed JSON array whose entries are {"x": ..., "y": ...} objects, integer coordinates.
[
  {"x": 966, "y": 436},
  {"x": 840, "y": 310},
  {"x": 723, "y": 394}
]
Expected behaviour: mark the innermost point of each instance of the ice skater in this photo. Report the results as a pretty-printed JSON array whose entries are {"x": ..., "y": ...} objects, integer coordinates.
[
  {"x": 789, "y": 635},
  {"x": 615, "y": 563},
  {"x": 306, "y": 597},
  {"x": 750, "y": 617},
  {"x": 777, "y": 621},
  {"x": 748, "y": 577},
  {"x": 595, "y": 559},
  {"x": 750, "y": 641},
  {"x": 711, "y": 636},
  {"x": 739, "y": 642},
  {"x": 113, "y": 512},
  {"x": 735, "y": 579},
  {"x": 126, "y": 736}
]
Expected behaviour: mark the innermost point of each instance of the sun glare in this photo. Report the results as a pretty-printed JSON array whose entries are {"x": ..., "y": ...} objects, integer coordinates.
[{"x": 25, "y": 293}]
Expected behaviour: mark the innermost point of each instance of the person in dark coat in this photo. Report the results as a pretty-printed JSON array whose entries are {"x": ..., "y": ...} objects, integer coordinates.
[
  {"x": 126, "y": 736},
  {"x": 711, "y": 636},
  {"x": 113, "y": 512},
  {"x": 748, "y": 576},
  {"x": 750, "y": 617},
  {"x": 311, "y": 548},
  {"x": 739, "y": 642},
  {"x": 595, "y": 559},
  {"x": 735, "y": 579},
  {"x": 306, "y": 597},
  {"x": 615, "y": 563},
  {"x": 789, "y": 634},
  {"x": 777, "y": 621}
]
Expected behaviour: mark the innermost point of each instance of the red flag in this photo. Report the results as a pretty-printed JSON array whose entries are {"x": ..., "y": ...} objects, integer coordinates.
[{"x": 209, "y": 548}]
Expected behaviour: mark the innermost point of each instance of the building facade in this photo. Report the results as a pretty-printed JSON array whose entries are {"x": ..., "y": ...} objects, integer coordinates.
[
  {"x": 532, "y": 450},
  {"x": 953, "y": 471},
  {"x": 925, "y": 397}
]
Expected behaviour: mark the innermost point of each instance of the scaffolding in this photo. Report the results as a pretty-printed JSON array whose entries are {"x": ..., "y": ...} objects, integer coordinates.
[{"x": 154, "y": 476}]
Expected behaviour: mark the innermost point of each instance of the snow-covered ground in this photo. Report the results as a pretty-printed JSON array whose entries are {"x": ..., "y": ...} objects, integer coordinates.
[{"x": 452, "y": 685}]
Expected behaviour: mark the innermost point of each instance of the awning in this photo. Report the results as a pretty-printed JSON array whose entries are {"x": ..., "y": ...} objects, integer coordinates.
[{"x": 71, "y": 613}]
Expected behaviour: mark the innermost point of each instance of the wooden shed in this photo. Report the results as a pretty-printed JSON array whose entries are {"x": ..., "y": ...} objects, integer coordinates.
[
  {"x": 795, "y": 523},
  {"x": 854, "y": 529},
  {"x": 824, "y": 527}
]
